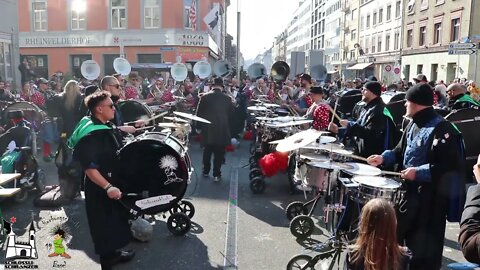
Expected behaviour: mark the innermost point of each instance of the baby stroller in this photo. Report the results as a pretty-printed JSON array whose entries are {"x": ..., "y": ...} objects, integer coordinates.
[{"x": 19, "y": 158}]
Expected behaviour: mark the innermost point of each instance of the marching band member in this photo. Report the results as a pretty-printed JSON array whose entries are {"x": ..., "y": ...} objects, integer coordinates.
[
  {"x": 133, "y": 89},
  {"x": 318, "y": 111},
  {"x": 459, "y": 99},
  {"x": 96, "y": 148},
  {"x": 302, "y": 100},
  {"x": 431, "y": 159},
  {"x": 375, "y": 128}
]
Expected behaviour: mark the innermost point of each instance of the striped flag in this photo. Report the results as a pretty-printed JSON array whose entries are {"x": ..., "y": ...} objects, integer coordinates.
[{"x": 192, "y": 16}]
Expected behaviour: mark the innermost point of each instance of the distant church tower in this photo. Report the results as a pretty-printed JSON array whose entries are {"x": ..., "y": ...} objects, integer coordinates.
[
  {"x": 31, "y": 235},
  {"x": 11, "y": 251}
]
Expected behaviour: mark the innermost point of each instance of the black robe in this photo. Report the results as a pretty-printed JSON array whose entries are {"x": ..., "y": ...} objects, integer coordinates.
[{"x": 107, "y": 218}]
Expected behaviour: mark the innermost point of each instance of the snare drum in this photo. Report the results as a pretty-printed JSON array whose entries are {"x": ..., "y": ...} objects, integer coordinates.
[
  {"x": 307, "y": 171},
  {"x": 370, "y": 187}
]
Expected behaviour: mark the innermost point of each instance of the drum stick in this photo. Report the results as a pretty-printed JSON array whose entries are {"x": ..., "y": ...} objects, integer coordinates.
[
  {"x": 357, "y": 157},
  {"x": 334, "y": 110},
  {"x": 392, "y": 173},
  {"x": 150, "y": 119},
  {"x": 334, "y": 114}
]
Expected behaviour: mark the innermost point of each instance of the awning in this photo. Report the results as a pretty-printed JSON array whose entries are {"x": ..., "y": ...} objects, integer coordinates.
[
  {"x": 151, "y": 65},
  {"x": 360, "y": 66},
  {"x": 332, "y": 71}
]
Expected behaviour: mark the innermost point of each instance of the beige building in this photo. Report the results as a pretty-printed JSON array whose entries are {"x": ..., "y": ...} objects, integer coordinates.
[
  {"x": 429, "y": 27},
  {"x": 350, "y": 37}
]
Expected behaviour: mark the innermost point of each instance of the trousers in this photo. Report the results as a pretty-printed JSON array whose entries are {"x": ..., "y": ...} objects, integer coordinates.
[{"x": 218, "y": 159}]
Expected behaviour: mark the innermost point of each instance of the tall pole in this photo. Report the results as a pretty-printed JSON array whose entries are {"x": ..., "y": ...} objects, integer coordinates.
[{"x": 238, "y": 43}]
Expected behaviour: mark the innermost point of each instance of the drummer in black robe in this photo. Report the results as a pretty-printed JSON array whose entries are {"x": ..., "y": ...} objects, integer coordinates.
[
  {"x": 431, "y": 159},
  {"x": 95, "y": 141}
]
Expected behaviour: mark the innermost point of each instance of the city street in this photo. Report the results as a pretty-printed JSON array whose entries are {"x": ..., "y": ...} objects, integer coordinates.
[{"x": 231, "y": 226}]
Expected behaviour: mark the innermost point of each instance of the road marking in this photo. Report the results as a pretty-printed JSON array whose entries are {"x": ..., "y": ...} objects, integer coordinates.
[{"x": 230, "y": 261}]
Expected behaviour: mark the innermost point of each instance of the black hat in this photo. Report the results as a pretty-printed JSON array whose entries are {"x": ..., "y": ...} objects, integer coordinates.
[
  {"x": 374, "y": 87},
  {"x": 372, "y": 78},
  {"x": 420, "y": 78},
  {"x": 217, "y": 81},
  {"x": 306, "y": 77},
  {"x": 421, "y": 94},
  {"x": 90, "y": 89},
  {"x": 316, "y": 90}
]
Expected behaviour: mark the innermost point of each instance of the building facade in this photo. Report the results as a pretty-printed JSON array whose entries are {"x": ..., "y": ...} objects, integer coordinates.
[
  {"x": 380, "y": 37},
  {"x": 57, "y": 36},
  {"x": 9, "y": 53},
  {"x": 298, "y": 31},
  {"x": 279, "y": 48},
  {"x": 429, "y": 28},
  {"x": 333, "y": 32}
]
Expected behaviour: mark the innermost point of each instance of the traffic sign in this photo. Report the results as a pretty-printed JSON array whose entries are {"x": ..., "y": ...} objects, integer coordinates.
[
  {"x": 388, "y": 68},
  {"x": 461, "y": 51},
  {"x": 462, "y": 46},
  {"x": 396, "y": 70}
]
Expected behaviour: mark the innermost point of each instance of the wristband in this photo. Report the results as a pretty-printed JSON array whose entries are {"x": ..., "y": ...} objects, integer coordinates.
[{"x": 107, "y": 187}]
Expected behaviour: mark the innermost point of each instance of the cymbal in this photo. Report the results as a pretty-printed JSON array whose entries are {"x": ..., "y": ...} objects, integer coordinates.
[
  {"x": 314, "y": 157},
  {"x": 263, "y": 118},
  {"x": 289, "y": 118},
  {"x": 170, "y": 125},
  {"x": 175, "y": 119},
  {"x": 271, "y": 105},
  {"x": 257, "y": 108},
  {"x": 192, "y": 117},
  {"x": 329, "y": 147},
  {"x": 276, "y": 142},
  {"x": 288, "y": 124},
  {"x": 298, "y": 140}
]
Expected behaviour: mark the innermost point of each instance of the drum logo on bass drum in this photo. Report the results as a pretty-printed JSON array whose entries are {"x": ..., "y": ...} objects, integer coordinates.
[{"x": 170, "y": 164}]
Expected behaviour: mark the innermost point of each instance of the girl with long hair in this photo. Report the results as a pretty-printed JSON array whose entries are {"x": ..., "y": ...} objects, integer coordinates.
[
  {"x": 71, "y": 108},
  {"x": 376, "y": 247}
]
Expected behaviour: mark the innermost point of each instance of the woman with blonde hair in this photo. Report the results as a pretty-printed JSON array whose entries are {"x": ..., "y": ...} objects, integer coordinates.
[
  {"x": 376, "y": 247},
  {"x": 70, "y": 108}
]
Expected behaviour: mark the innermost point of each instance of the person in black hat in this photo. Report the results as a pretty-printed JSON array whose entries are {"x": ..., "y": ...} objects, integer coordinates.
[
  {"x": 318, "y": 111},
  {"x": 374, "y": 131},
  {"x": 431, "y": 161},
  {"x": 216, "y": 107},
  {"x": 420, "y": 79}
]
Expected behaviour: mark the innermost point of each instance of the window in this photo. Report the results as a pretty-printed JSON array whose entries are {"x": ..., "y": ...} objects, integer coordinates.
[
  {"x": 368, "y": 21},
  {"x": 373, "y": 45},
  {"x": 419, "y": 69},
  {"x": 374, "y": 20},
  {"x": 424, "y": 5},
  {"x": 76, "y": 61},
  {"x": 455, "y": 30},
  {"x": 411, "y": 7},
  {"x": 387, "y": 42},
  {"x": 353, "y": 35},
  {"x": 379, "y": 44},
  {"x": 353, "y": 14},
  {"x": 149, "y": 58},
  {"x": 380, "y": 15},
  {"x": 361, "y": 23},
  {"x": 409, "y": 37},
  {"x": 39, "y": 9},
  {"x": 119, "y": 14},
  {"x": 352, "y": 55},
  {"x": 396, "y": 41},
  {"x": 389, "y": 12},
  {"x": 151, "y": 18},
  {"x": 422, "y": 35},
  {"x": 78, "y": 14},
  {"x": 437, "y": 30},
  {"x": 439, "y": 2},
  {"x": 398, "y": 9}
]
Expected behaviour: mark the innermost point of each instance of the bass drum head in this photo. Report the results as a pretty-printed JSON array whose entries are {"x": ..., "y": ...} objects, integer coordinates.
[
  {"x": 31, "y": 112},
  {"x": 468, "y": 122},
  {"x": 154, "y": 167},
  {"x": 132, "y": 110}
]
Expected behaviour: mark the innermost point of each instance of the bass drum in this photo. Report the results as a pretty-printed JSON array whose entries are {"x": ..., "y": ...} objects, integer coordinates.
[
  {"x": 468, "y": 122},
  {"x": 132, "y": 110},
  {"x": 32, "y": 113},
  {"x": 346, "y": 101},
  {"x": 155, "y": 168},
  {"x": 395, "y": 102}
]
